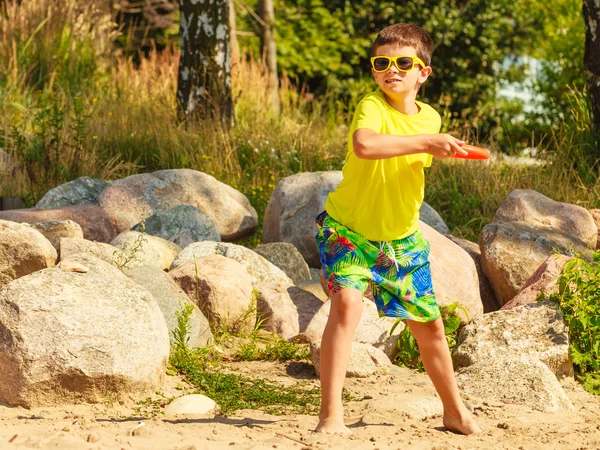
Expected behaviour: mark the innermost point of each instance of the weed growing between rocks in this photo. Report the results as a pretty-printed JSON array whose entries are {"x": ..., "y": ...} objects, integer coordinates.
[
  {"x": 274, "y": 349},
  {"x": 128, "y": 254},
  {"x": 408, "y": 350},
  {"x": 578, "y": 297}
]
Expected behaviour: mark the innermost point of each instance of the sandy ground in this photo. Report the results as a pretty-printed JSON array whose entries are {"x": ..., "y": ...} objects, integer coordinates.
[{"x": 393, "y": 415}]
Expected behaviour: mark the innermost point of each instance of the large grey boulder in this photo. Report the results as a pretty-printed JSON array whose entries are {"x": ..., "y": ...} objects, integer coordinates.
[
  {"x": 172, "y": 299},
  {"x": 512, "y": 251},
  {"x": 537, "y": 329},
  {"x": 365, "y": 360},
  {"x": 83, "y": 190},
  {"x": 540, "y": 212},
  {"x": 515, "y": 379},
  {"x": 293, "y": 207},
  {"x": 285, "y": 310},
  {"x": 127, "y": 200},
  {"x": 146, "y": 250},
  {"x": 72, "y": 336},
  {"x": 287, "y": 257},
  {"x": 182, "y": 225},
  {"x": 432, "y": 218},
  {"x": 222, "y": 289},
  {"x": 23, "y": 250},
  {"x": 260, "y": 270}
]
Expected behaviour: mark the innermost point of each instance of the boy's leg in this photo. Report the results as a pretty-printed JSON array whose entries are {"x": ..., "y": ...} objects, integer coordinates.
[
  {"x": 437, "y": 360},
  {"x": 336, "y": 345}
]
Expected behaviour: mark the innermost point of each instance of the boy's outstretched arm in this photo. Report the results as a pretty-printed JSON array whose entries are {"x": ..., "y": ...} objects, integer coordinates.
[{"x": 369, "y": 144}]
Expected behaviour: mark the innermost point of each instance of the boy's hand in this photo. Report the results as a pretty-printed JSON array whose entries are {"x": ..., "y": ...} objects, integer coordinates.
[{"x": 443, "y": 146}]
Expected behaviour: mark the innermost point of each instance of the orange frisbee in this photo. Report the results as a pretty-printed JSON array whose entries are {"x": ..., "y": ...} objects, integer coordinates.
[{"x": 474, "y": 152}]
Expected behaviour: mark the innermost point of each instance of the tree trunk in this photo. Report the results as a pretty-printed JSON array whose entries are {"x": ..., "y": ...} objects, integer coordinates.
[
  {"x": 269, "y": 49},
  {"x": 591, "y": 17},
  {"x": 235, "y": 46},
  {"x": 204, "y": 83}
]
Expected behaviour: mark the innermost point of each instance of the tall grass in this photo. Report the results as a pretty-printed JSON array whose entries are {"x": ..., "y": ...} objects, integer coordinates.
[{"x": 71, "y": 106}]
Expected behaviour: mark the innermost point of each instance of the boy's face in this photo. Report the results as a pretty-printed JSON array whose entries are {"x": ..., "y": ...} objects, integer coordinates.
[{"x": 395, "y": 83}]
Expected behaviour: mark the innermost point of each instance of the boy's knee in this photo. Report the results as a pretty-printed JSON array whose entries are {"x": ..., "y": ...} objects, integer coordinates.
[{"x": 347, "y": 306}]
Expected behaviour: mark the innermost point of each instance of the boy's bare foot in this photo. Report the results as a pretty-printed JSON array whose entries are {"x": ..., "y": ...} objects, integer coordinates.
[
  {"x": 332, "y": 425},
  {"x": 461, "y": 422}
]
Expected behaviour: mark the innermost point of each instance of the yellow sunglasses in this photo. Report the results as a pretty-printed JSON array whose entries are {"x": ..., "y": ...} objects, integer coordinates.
[{"x": 402, "y": 63}]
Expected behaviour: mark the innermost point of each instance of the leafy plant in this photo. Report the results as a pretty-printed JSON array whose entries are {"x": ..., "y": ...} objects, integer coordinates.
[
  {"x": 408, "y": 348},
  {"x": 182, "y": 330},
  {"x": 579, "y": 298}
]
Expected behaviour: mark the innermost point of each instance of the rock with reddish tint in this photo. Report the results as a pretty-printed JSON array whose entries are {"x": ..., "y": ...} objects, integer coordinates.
[
  {"x": 454, "y": 274},
  {"x": 488, "y": 297},
  {"x": 23, "y": 250},
  {"x": 511, "y": 252},
  {"x": 127, "y": 201},
  {"x": 293, "y": 207},
  {"x": 92, "y": 219},
  {"x": 83, "y": 190},
  {"x": 543, "y": 280},
  {"x": 222, "y": 289},
  {"x": 286, "y": 310},
  {"x": 541, "y": 212},
  {"x": 68, "y": 336}
]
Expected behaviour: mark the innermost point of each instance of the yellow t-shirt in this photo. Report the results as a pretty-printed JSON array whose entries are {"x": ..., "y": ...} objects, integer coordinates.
[{"x": 380, "y": 198}]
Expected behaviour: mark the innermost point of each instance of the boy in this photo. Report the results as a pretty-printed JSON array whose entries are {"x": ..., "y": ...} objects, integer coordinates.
[{"x": 368, "y": 233}]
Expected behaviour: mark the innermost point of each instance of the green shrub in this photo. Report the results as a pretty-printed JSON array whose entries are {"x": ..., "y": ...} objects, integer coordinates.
[{"x": 579, "y": 299}]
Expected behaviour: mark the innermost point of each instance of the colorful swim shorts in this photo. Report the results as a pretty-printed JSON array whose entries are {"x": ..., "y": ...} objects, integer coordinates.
[{"x": 398, "y": 271}]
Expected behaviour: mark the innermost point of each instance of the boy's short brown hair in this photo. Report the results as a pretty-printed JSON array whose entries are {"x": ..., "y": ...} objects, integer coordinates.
[{"x": 406, "y": 34}]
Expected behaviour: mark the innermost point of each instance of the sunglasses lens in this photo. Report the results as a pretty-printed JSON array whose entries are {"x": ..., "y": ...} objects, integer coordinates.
[
  {"x": 404, "y": 63},
  {"x": 381, "y": 64}
]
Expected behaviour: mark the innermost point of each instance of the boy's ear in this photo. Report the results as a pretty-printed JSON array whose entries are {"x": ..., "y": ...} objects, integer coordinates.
[{"x": 425, "y": 72}]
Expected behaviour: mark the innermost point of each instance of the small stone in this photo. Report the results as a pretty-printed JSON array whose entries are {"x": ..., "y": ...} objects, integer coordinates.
[
  {"x": 93, "y": 437},
  {"x": 140, "y": 430},
  {"x": 503, "y": 425},
  {"x": 67, "y": 429}
]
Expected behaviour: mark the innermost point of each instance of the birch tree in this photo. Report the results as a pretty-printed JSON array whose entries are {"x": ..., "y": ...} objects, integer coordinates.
[
  {"x": 591, "y": 16},
  {"x": 268, "y": 47},
  {"x": 204, "y": 82}
]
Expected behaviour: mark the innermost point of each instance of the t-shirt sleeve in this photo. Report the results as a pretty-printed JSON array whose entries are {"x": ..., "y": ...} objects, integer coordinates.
[
  {"x": 368, "y": 114},
  {"x": 429, "y": 158}
]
